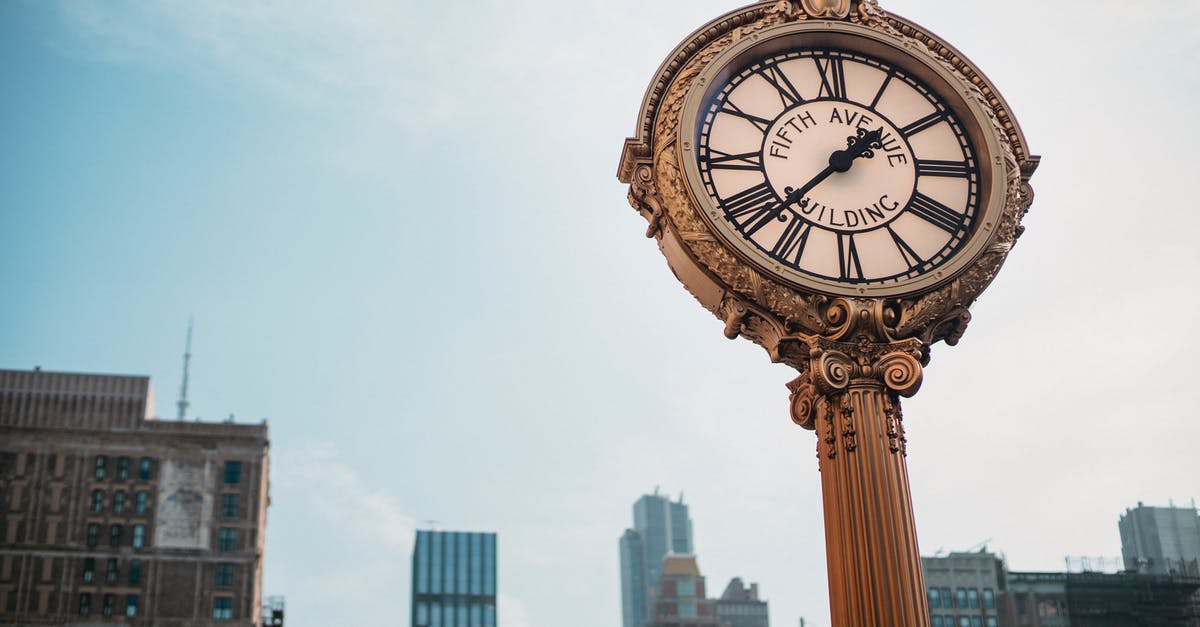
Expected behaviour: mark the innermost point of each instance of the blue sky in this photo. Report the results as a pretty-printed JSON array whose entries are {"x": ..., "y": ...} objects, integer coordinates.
[{"x": 398, "y": 229}]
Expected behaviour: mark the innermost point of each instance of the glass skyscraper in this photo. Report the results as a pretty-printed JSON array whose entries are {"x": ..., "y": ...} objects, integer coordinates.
[
  {"x": 454, "y": 579},
  {"x": 660, "y": 527}
]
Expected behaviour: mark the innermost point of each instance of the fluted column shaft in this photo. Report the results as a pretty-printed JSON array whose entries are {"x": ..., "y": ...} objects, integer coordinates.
[{"x": 875, "y": 577}]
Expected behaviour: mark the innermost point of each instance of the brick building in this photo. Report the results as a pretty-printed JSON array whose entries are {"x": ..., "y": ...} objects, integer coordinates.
[{"x": 107, "y": 514}]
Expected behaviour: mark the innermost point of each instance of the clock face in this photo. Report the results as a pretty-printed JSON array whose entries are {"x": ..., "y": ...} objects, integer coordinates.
[{"x": 837, "y": 168}]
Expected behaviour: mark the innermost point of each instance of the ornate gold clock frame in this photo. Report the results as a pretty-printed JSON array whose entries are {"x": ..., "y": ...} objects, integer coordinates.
[{"x": 858, "y": 348}]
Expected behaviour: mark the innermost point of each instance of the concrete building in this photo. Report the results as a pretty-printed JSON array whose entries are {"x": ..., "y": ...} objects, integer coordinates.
[
  {"x": 107, "y": 514},
  {"x": 740, "y": 606},
  {"x": 454, "y": 579},
  {"x": 963, "y": 588},
  {"x": 660, "y": 527},
  {"x": 681, "y": 599},
  {"x": 1161, "y": 540}
]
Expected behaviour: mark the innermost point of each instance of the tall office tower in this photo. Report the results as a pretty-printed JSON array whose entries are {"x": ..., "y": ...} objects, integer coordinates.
[
  {"x": 454, "y": 579},
  {"x": 1161, "y": 540},
  {"x": 740, "y": 606},
  {"x": 107, "y": 514},
  {"x": 660, "y": 527},
  {"x": 681, "y": 600}
]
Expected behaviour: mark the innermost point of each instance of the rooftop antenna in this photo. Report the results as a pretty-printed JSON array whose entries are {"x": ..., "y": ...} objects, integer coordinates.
[{"x": 187, "y": 363}]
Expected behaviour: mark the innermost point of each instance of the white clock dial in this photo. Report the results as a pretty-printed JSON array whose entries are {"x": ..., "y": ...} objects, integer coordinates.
[{"x": 838, "y": 166}]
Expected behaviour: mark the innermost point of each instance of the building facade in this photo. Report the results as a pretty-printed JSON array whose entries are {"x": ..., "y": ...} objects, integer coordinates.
[
  {"x": 107, "y": 514},
  {"x": 454, "y": 579},
  {"x": 1101, "y": 600},
  {"x": 681, "y": 599},
  {"x": 1161, "y": 540},
  {"x": 963, "y": 588},
  {"x": 660, "y": 527},
  {"x": 739, "y": 606}
]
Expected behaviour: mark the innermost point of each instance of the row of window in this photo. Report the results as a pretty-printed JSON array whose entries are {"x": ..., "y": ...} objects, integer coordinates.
[
  {"x": 222, "y": 606},
  {"x": 112, "y": 572},
  {"x": 108, "y": 607},
  {"x": 115, "y": 535},
  {"x": 145, "y": 468},
  {"x": 141, "y": 502},
  {"x": 963, "y": 598},
  {"x": 964, "y": 621},
  {"x": 233, "y": 470}
]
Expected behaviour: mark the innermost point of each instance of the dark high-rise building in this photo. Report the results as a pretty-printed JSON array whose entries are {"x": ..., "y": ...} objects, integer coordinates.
[
  {"x": 109, "y": 515},
  {"x": 454, "y": 579},
  {"x": 1161, "y": 540},
  {"x": 660, "y": 527},
  {"x": 739, "y": 606}
]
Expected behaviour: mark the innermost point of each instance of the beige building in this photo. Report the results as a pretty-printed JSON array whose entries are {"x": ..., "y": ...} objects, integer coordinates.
[{"x": 109, "y": 515}]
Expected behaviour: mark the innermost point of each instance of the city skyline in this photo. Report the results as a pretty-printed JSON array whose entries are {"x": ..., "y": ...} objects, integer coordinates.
[{"x": 399, "y": 232}]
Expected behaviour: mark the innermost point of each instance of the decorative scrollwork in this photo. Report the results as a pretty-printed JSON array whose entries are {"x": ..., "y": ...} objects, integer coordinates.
[
  {"x": 804, "y": 399},
  {"x": 833, "y": 371},
  {"x": 826, "y": 9},
  {"x": 901, "y": 372}
]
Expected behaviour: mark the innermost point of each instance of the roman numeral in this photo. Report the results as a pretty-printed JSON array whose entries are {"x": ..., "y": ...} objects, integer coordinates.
[
  {"x": 726, "y": 161},
  {"x": 750, "y": 204},
  {"x": 911, "y": 258},
  {"x": 925, "y": 123},
  {"x": 849, "y": 263},
  {"x": 732, "y": 109},
  {"x": 833, "y": 78},
  {"x": 791, "y": 243},
  {"x": 933, "y": 167},
  {"x": 887, "y": 80},
  {"x": 935, "y": 213},
  {"x": 787, "y": 91}
]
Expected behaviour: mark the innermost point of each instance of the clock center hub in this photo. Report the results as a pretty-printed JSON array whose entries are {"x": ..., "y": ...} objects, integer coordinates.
[{"x": 862, "y": 193}]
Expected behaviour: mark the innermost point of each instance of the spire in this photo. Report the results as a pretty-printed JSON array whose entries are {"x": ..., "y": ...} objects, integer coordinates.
[{"x": 187, "y": 362}]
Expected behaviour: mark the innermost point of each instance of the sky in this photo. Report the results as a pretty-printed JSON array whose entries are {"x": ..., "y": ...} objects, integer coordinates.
[{"x": 397, "y": 227}]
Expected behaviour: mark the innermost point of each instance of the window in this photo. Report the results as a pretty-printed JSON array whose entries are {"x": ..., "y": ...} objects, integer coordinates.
[
  {"x": 139, "y": 536},
  {"x": 991, "y": 621},
  {"x": 976, "y": 621},
  {"x": 935, "y": 600},
  {"x": 224, "y": 575},
  {"x": 233, "y": 473},
  {"x": 227, "y": 539},
  {"x": 51, "y": 463},
  {"x": 131, "y": 605},
  {"x": 119, "y": 502},
  {"x": 229, "y": 505},
  {"x": 101, "y": 464},
  {"x": 135, "y": 572},
  {"x": 97, "y": 501},
  {"x": 85, "y": 604},
  {"x": 989, "y": 599},
  {"x": 110, "y": 571},
  {"x": 114, "y": 536},
  {"x": 109, "y": 602},
  {"x": 223, "y": 608},
  {"x": 145, "y": 468},
  {"x": 947, "y": 599},
  {"x": 937, "y": 622},
  {"x": 93, "y": 535},
  {"x": 140, "y": 502},
  {"x": 973, "y": 598},
  {"x": 122, "y": 469},
  {"x": 960, "y": 598},
  {"x": 964, "y": 621},
  {"x": 89, "y": 571}
]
